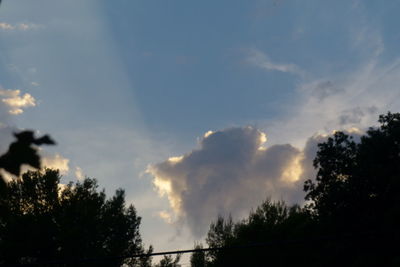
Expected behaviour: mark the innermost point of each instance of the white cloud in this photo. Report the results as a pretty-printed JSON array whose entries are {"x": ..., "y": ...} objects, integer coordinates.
[
  {"x": 262, "y": 60},
  {"x": 15, "y": 101},
  {"x": 230, "y": 172}
]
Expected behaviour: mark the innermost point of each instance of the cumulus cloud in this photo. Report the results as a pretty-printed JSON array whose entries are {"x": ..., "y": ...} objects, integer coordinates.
[
  {"x": 231, "y": 172},
  {"x": 262, "y": 60},
  {"x": 15, "y": 101}
]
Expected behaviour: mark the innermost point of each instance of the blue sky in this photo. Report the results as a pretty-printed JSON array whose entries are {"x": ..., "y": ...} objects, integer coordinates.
[{"x": 125, "y": 85}]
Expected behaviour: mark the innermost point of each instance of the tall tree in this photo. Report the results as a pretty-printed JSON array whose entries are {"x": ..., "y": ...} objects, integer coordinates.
[{"x": 357, "y": 192}]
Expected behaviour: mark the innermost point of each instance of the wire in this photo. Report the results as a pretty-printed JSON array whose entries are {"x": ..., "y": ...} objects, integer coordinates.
[{"x": 244, "y": 246}]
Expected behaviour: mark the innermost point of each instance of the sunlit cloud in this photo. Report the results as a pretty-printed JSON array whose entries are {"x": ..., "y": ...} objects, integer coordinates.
[
  {"x": 15, "y": 101},
  {"x": 228, "y": 174},
  {"x": 231, "y": 172}
]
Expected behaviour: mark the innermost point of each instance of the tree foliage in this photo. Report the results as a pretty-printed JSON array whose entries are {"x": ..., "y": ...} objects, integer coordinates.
[
  {"x": 198, "y": 258},
  {"x": 271, "y": 222},
  {"x": 169, "y": 261},
  {"x": 75, "y": 224}
]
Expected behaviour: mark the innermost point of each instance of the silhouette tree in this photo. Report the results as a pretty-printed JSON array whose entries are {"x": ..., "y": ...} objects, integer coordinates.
[
  {"x": 198, "y": 258},
  {"x": 271, "y": 222},
  {"x": 357, "y": 191},
  {"x": 168, "y": 261},
  {"x": 359, "y": 182},
  {"x": 74, "y": 224}
]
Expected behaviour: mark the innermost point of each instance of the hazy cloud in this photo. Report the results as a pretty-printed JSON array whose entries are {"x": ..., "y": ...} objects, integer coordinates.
[
  {"x": 261, "y": 60},
  {"x": 19, "y": 26},
  {"x": 355, "y": 115},
  {"x": 79, "y": 173}
]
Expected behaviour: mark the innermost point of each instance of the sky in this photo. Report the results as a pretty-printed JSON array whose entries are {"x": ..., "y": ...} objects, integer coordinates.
[{"x": 195, "y": 108}]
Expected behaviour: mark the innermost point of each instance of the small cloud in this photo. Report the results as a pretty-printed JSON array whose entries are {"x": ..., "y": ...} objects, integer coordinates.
[
  {"x": 19, "y": 26},
  {"x": 6, "y": 26},
  {"x": 15, "y": 101},
  {"x": 261, "y": 60},
  {"x": 36, "y": 84}
]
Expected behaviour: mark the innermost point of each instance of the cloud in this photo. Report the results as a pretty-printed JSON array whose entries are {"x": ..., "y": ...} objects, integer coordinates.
[
  {"x": 353, "y": 98},
  {"x": 79, "y": 173},
  {"x": 15, "y": 101},
  {"x": 166, "y": 216},
  {"x": 57, "y": 162},
  {"x": 355, "y": 115},
  {"x": 261, "y": 60},
  {"x": 19, "y": 26},
  {"x": 230, "y": 173}
]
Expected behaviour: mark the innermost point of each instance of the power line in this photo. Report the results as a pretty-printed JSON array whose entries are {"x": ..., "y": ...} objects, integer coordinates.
[{"x": 236, "y": 247}]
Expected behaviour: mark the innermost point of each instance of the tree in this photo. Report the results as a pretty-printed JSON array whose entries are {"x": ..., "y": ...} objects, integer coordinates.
[
  {"x": 359, "y": 182},
  {"x": 168, "y": 261},
  {"x": 198, "y": 258},
  {"x": 357, "y": 192},
  {"x": 259, "y": 240},
  {"x": 74, "y": 224}
]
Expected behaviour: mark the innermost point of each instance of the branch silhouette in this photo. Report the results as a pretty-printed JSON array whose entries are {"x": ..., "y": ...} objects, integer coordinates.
[{"x": 22, "y": 152}]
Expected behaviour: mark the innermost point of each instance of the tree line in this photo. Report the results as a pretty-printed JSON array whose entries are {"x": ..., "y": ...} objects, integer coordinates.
[{"x": 350, "y": 218}]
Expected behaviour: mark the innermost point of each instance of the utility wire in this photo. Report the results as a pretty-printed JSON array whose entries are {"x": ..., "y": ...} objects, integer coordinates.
[{"x": 236, "y": 247}]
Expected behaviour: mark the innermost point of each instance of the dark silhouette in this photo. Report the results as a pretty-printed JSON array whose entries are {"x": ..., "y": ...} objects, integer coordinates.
[
  {"x": 44, "y": 222},
  {"x": 198, "y": 258},
  {"x": 22, "y": 152},
  {"x": 272, "y": 222},
  {"x": 168, "y": 261}
]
